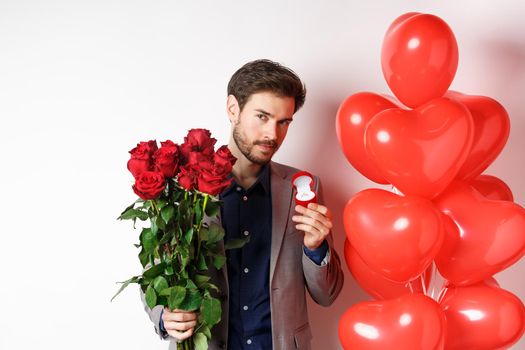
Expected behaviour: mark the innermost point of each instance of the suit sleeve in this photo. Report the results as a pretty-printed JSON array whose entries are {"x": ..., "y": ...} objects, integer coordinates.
[{"x": 323, "y": 282}]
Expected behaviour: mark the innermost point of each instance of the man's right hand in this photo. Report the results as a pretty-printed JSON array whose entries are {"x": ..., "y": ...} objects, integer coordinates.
[{"x": 179, "y": 324}]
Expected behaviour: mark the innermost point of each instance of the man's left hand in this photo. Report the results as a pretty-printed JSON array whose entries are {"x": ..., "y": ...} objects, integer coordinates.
[{"x": 315, "y": 221}]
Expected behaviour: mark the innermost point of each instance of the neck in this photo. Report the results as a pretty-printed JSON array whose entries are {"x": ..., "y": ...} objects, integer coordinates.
[{"x": 245, "y": 172}]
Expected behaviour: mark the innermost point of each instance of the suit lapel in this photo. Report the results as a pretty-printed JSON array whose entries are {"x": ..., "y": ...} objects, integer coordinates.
[{"x": 281, "y": 198}]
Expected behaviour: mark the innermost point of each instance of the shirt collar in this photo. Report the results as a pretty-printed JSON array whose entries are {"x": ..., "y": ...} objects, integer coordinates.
[{"x": 262, "y": 180}]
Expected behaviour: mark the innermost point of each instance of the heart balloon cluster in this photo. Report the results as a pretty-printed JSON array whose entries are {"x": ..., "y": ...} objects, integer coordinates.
[{"x": 432, "y": 146}]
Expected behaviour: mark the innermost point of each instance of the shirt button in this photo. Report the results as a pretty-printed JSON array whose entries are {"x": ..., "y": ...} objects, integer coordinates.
[
  {"x": 245, "y": 307},
  {"x": 244, "y": 198},
  {"x": 249, "y": 341},
  {"x": 246, "y": 270},
  {"x": 246, "y": 233},
  {"x": 238, "y": 189}
]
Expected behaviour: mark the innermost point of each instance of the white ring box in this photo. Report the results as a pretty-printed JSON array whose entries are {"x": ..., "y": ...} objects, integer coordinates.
[{"x": 303, "y": 182}]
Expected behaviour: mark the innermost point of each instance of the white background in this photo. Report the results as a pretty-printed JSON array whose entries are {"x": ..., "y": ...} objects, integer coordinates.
[{"x": 81, "y": 82}]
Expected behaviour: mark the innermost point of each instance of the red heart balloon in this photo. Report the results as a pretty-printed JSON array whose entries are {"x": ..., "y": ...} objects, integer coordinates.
[
  {"x": 352, "y": 117},
  {"x": 487, "y": 237},
  {"x": 491, "y": 131},
  {"x": 419, "y": 58},
  {"x": 482, "y": 317},
  {"x": 395, "y": 236},
  {"x": 492, "y": 188},
  {"x": 420, "y": 151},
  {"x": 411, "y": 322},
  {"x": 374, "y": 283}
]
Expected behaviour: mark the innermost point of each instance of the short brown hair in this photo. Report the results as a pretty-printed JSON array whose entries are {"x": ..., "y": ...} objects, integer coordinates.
[{"x": 265, "y": 75}]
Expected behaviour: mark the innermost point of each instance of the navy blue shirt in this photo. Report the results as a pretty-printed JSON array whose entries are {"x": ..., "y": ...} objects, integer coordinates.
[{"x": 249, "y": 213}]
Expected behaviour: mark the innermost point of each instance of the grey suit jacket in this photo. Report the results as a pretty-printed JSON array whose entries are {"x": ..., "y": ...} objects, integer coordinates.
[{"x": 292, "y": 273}]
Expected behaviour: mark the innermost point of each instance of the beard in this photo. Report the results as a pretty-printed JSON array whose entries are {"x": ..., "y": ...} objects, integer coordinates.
[{"x": 247, "y": 148}]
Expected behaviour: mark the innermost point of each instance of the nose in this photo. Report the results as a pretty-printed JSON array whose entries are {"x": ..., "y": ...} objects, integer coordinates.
[{"x": 270, "y": 131}]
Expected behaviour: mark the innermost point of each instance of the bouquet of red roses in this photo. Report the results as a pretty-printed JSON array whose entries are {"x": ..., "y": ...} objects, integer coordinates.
[{"x": 177, "y": 186}]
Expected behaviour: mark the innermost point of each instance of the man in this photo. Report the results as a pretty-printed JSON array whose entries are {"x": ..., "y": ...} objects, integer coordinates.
[{"x": 290, "y": 248}]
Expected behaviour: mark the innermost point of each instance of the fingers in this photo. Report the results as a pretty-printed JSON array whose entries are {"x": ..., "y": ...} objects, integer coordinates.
[
  {"x": 178, "y": 323},
  {"x": 321, "y": 209},
  {"x": 178, "y": 315},
  {"x": 315, "y": 215},
  {"x": 315, "y": 221},
  {"x": 180, "y": 335}
]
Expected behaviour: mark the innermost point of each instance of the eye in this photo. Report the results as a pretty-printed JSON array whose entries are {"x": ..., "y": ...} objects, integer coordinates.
[
  {"x": 285, "y": 122},
  {"x": 262, "y": 116}
]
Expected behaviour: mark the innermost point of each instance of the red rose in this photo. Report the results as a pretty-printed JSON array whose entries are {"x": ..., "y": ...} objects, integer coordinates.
[
  {"x": 167, "y": 158},
  {"x": 142, "y": 157},
  {"x": 149, "y": 184},
  {"x": 213, "y": 179},
  {"x": 187, "y": 177},
  {"x": 198, "y": 140},
  {"x": 196, "y": 158},
  {"x": 224, "y": 158}
]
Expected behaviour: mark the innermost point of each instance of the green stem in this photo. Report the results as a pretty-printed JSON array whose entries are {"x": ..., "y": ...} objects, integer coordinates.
[
  {"x": 155, "y": 206},
  {"x": 206, "y": 196}
]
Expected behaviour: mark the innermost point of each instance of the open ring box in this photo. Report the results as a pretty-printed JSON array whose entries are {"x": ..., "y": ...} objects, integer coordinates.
[{"x": 303, "y": 182}]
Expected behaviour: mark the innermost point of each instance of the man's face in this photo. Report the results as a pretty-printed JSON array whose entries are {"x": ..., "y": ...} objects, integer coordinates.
[{"x": 259, "y": 129}]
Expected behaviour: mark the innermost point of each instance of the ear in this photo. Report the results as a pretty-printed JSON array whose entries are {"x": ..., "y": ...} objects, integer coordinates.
[{"x": 232, "y": 108}]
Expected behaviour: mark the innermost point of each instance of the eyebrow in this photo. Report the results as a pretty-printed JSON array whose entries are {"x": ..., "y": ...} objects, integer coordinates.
[{"x": 262, "y": 111}]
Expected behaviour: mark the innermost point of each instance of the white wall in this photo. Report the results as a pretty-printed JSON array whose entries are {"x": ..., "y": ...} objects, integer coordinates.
[{"x": 82, "y": 81}]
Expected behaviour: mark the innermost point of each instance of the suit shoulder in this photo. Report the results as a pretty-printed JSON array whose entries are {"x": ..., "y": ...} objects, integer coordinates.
[{"x": 288, "y": 171}]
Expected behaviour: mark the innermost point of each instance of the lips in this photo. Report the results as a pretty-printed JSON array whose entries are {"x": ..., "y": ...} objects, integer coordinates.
[{"x": 266, "y": 147}]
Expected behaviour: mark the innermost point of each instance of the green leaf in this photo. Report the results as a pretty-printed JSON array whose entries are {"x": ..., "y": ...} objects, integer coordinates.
[
  {"x": 192, "y": 301},
  {"x": 133, "y": 214},
  {"x": 143, "y": 257},
  {"x": 160, "y": 223},
  {"x": 215, "y": 234},
  {"x": 133, "y": 279},
  {"x": 198, "y": 212},
  {"x": 167, "y": 213},
  {"x": 184, "y": 257},
  {"x": 211, "y": 311},
  {"x": 201, "y": 263},
  {"x": 162, "y": 300},
  {"x": 165, "y": 238},
  {"x": 148, "y": 240},
  {"x": 160, "y": 283},
  {"x": 151, "y": 297},
  {"x": 204, "y": 233},
  {"x": 206, "y": 331},
  {"x": 218, "y": 261},
  {"x": 190, "y": 285},
  {"x": 129, "y": 207},
  {"x": 200, "y": 342},
  {"x": 161, "y": 203},
  {"x": 154, "y": 271},
  {"x": 154, "y": 228},
  {"x": 212, "y": 208},
  {"x": 201, "y": 279},
  {"x": 189, "y": 235},
  {"x": 210, "y": 286},
  {"x": 176, "y": 235},
  {"x": 236, "y": 243},
  {"x": 177, "y": 195},
  {"x": 169, "y": 270},
  {"x": 184, "y": 208},
  {"x": 177, "y": 295}
]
